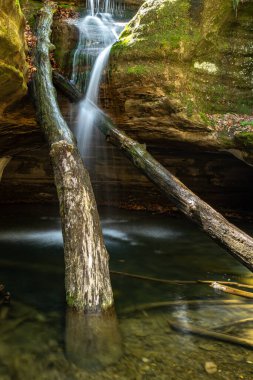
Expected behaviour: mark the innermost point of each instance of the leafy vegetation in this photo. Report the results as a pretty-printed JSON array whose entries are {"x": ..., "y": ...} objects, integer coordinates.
[{"x": 235, "y": 5}]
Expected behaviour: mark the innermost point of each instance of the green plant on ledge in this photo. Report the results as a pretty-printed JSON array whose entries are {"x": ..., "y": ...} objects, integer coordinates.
[{"x": 235, "y": 5}]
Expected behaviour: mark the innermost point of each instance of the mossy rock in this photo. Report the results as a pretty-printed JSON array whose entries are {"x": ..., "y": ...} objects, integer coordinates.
[
  {"x": 13, "y": 66},
  {"x": 245, "y": 139},
  {"x": 198, "y": 53}
]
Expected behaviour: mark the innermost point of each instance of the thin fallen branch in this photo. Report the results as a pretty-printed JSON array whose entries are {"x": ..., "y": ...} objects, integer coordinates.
[
  {"x": 228, "y": 236},
  {"x": 200, "y": 331},
  {"x": 177, "y": 282},
  {"x": 229, "y": 290},
  {"x": 189, "y": 303},
  {"x": 228, "y": 326}
]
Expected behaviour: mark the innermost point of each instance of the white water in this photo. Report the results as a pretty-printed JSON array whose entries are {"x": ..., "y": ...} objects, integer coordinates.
[
  {"x": 98, "y": 32},
  {"x": 88, "y": 111}
]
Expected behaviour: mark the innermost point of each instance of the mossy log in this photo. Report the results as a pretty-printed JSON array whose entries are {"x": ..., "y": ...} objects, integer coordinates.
[
  {"x": 87, "y": 278},
  {"x": 227, "y": 235}
]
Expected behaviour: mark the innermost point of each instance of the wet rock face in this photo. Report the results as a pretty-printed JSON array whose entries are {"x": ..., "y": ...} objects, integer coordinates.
[
  {"x": 12, "y": 53},
  {"x": 65, "y": 38},
  {"x": 178, "y": 61}
]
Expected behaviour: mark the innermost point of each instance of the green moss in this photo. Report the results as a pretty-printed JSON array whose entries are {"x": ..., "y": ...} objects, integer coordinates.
[
  {"x": 173, "y": 28},
  {"x": 189, "y": 108},
  {"x": 70, "y": 300},
  {"x": 226, "y": 140},
  {"x": 163, "y": 42},
  {"x": 247, "y": 123},
  {"x": 12, "y": 45},
  {"x": 245, "y": 139},
  {"x": 206, "y": 120},
  {"x": 137, "y": 69}
]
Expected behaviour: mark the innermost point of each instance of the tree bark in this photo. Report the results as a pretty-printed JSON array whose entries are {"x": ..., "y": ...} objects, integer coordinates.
[
  {"x": 228, "y": 236},
  {"x": 87, "y": 278}
]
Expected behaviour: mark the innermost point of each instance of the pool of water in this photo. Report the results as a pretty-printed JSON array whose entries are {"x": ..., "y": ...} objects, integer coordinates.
[{"x": 32, "y": 328}]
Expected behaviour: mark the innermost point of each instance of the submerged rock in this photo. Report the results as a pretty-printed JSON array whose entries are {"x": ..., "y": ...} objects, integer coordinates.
[
  {"x": 210, "y": 368},
  {"x": 12, "y": 48}
]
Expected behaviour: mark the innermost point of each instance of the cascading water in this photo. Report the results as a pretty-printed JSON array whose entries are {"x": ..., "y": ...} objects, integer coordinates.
[{"x": 98, "y": 32}]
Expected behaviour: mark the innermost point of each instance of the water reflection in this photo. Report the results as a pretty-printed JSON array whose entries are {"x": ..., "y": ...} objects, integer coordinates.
[{"x": 39, "y": 238}]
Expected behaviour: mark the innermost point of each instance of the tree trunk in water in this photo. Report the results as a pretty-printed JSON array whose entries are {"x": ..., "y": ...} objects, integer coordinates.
[
  {"x": 228, "y": 236},
  {"x": 87, "y": 278}
]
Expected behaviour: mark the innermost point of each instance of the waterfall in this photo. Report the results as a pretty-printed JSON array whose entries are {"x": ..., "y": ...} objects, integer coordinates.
[
  {"x": 88, "y": 110},
  {"x": 98, "y": 31}
]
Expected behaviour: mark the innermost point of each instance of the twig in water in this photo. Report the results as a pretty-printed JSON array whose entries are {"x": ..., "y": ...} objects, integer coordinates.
[
  {"x": 228, "y": 289},
  {"x": 178, "y": 282},
  {"x": 229, "y": 326},
  {"x": 191, "y": 329},
  {"x": 190, "y": 303}
]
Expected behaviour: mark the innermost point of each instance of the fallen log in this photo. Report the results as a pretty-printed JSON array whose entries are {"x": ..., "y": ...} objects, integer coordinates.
[
  {"x": 200, "y": 331},
  {"x": 227, "y": 235},
  {"x": 228, "y": 289},
  {"x": 179, "y": 282},
  {"x": 87, "y": 278},
  {"x": 67, "y": 88},
  {"x": 188, "y": 303}
]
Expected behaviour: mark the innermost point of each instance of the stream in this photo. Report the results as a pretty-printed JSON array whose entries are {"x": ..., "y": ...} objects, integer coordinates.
[{"x": 32, "y": 328}]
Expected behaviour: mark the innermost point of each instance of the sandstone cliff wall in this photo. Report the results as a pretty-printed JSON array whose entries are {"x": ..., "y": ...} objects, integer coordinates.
[{"x": 12, "y": 53}]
